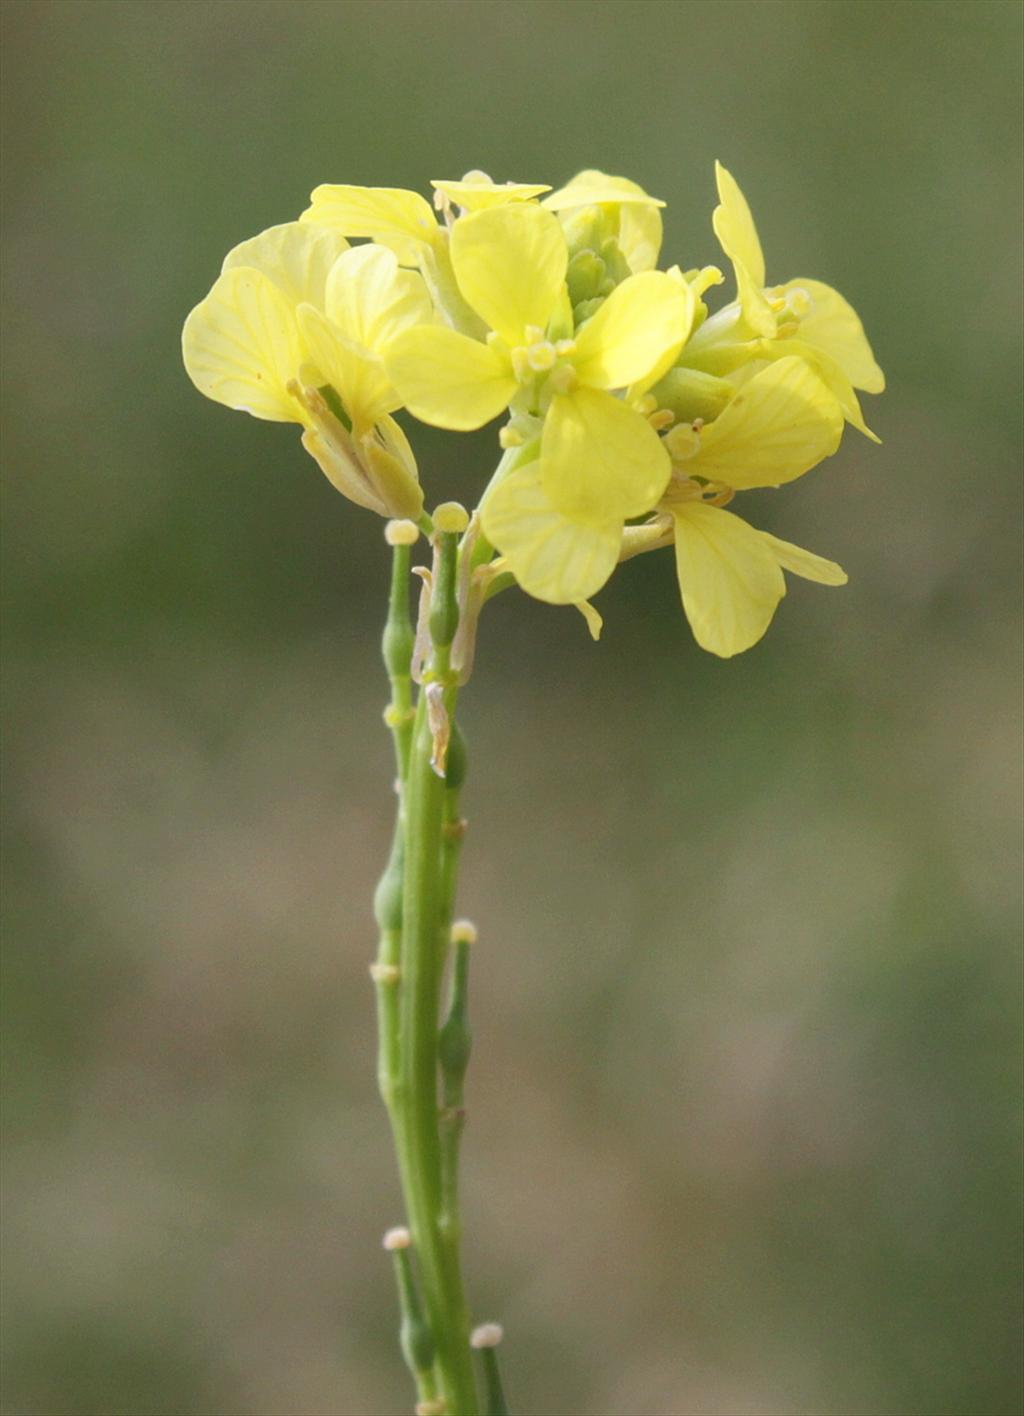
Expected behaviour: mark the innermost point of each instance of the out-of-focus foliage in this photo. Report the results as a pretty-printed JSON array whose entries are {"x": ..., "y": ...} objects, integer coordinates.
[{"x": 744, "y": 1106}]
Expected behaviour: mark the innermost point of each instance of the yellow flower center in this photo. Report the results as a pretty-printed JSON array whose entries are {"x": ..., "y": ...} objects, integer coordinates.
[{"x": 540, "y": 355}]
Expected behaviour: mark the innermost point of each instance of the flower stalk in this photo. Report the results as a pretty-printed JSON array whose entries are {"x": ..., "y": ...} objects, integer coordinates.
[{"x": 415, "y": 902}]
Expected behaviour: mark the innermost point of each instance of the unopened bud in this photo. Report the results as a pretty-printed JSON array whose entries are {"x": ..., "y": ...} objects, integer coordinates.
[
  {"x": 683, "y": 442},
  {"x": 451, "y": 517},
  {"x": 486, "y": 1335},
  {"x": 434, "y": 1407},
  {"x": 464, "y": 932},
  {"x": 401, "y": 533},
  {"x": 397, "y": 1238}
]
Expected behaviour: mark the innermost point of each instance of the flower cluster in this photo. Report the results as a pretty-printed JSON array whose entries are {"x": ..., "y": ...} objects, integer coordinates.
[{"x": 634, "y": 414}]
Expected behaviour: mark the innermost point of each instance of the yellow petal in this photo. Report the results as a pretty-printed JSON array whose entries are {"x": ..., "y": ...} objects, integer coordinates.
[
  {"x": 601, "y": 460},
  {"x": 834, "y": 327},
  {"x": 779, "y": 425},
  {"x": 830, "y": 372},
  {"x": 510, "y": 264},
  {"x": 805, "y": 563},
  {"x": 640, "y": 235},
  {"x": 401, "y": 220},
  {"x": 737, "y": 235},
  {"x": 296, "y": 257},
  {"x": 482, "y": 195},
  {"x": 356, "y": 375},
  {"x": 370, "y": 300},
  {"x": 553, "y": 557},
  {"x": 594, "y": 188},
  {"x": 595, "y": 623},
  {"x": 447, "y": 379},
  {"x": 728, "y": 576},
  {"x": 734, "y": 226},
  {"x": 642, "y": 324},
  {"x": 241, "y": 346}
]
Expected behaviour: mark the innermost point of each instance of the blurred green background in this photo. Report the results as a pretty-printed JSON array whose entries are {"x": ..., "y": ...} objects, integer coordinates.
[{"x": 744, "y": 1110}]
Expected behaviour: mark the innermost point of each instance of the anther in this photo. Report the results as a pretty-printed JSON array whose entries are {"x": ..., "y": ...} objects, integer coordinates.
[
  {"x": 661, "y": 418},
  {"x": 486, "y": 1335},
  {"x": 385, "y": 973},
  {"x": 510, "y": 437},
  {"x": 464, "y": 932},
  {"x": 397, "y": 1238}
]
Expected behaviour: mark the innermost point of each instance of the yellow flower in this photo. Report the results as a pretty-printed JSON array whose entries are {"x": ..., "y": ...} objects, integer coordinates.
[
  {"x": 628, "y": 215},
  {"x": 601, "y": 460},
  {"x": 801, "y": 317},
  {"x": 293, "y": 331},
  {"x": 730, "y": 576},
  {"x": 406, "y": 224},
  {"x": 401, "y": 220},
  {"x": 783, "y": 422},
  {"x": 477, "y": 192}
]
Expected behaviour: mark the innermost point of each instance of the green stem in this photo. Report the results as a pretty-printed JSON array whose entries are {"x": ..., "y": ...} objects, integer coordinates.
[
  {"x": 415, "y": 900},
  {"x": 418, "y": 1135},
  {"x": 496, "y": 1404}
]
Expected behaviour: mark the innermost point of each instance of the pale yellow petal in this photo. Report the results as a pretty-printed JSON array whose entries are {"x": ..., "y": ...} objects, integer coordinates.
[
  {"x": 734, "y": 226},
  {"x": 834, "y": 327},
  {"x": 642, "y": 324},
  {"x": 481, "y": 195},
  {"x": 371, "y": 300},
  {"x": 805, "y": 563},
  {"x": 553, "y": 557},
  {"x": 356, "y": 375},
  {"x": 737, "y": 235},
  {"x": 295, "y": 256},
  {"x": 594, "y": 188},
  {"x": 600, "y": 459},
  {"x": 401, "y": 220},
  {"x": 595, "y": 623},
  {"x": 829, "y": 371},
  {"x": 447, "y": 379},
  {"x": 640, "y": 235},
  {"x": 241, "y": 346},
  {"x": 510, "y": 263},
  {"x": 781, "y": 423},
  {"x": 729, "y": 578}
]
